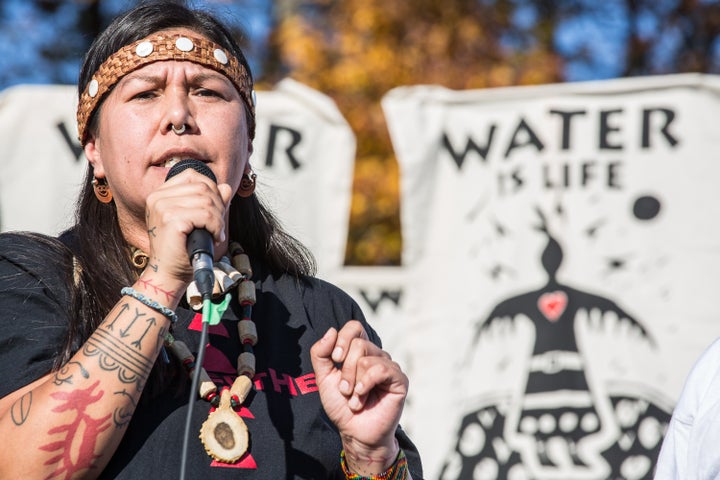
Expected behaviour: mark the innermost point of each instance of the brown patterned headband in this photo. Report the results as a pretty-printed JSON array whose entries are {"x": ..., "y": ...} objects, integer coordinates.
[{"x": 158, "y": 47}]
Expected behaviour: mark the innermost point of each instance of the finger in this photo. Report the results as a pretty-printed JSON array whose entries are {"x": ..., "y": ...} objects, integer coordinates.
[
  {"x": 321, "y": 354},
  {"x": 191, "y": 205},
  {"x": 189, "y": 185},
  {"x": 349, "y": 332},
  {"x": 378, "y": 373},
  {"x": 226, "y": 193},
  {"x": 191, "y": 179},
  {"x": 178, "y": 198},
  {"x": 357, "y": 356},
  {"x": 184, "y": 217}
]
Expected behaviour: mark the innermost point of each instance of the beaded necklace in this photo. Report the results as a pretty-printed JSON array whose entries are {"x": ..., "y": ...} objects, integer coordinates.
[{"x": 224, "y": 433}]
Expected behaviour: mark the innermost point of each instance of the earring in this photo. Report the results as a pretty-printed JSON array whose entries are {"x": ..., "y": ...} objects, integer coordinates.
[
  {"x": 139, "y": 258},
  {"x": 102, "y": 190},
  {"x": 247, "y": 184},
  {"x": 178, "y": 131}
]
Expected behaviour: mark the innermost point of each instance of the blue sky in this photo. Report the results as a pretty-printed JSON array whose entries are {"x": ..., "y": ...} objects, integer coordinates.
[{"x": 23, "y": 32}]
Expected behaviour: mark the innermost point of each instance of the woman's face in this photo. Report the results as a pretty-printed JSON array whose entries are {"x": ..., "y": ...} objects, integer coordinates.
[{"x": 134, "y": 144}]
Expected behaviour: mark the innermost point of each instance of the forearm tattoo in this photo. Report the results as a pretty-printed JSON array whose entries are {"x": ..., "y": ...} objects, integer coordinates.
[
  {"x": 125, "y": 344},
  {"x": 147, "y": 283},
  {"x": 20, "y": 410},
  {"x": 117, "y": 344},
  {"x": 123, "y": 415},
  {"x": 64, "y": 375},
  {"x": 82, "y": 428}
]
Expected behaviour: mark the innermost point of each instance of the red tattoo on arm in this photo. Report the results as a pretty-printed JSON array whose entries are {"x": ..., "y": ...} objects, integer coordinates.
[
  {"x": 68, "y": 462},
  {"x": 169, "y": 296}
]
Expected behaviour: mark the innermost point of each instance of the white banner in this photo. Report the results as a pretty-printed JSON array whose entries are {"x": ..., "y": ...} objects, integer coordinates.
[
  {"x": 304, "y": 156},
  {"x": 42, "y": 162},
  {"x": 563, "y": 243},
  {"x": 560, "y": 250},
  {"x": 380, "y": 293}
]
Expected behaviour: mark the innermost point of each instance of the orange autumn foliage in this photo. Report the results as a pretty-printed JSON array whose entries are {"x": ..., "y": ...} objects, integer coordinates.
[{"x": 355, "y": 51}]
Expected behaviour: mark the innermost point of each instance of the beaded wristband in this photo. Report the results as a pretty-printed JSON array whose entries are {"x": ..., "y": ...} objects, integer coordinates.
[
  {"x": 131, "y": 292},
  {"x": 397, "y": 471}
]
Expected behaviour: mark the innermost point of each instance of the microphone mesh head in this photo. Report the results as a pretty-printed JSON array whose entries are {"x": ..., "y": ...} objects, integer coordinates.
[{"x": 196, "y": 165}]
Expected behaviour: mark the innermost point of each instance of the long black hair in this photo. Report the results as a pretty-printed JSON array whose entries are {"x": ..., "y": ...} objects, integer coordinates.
[{"x": 101, "y": 254}]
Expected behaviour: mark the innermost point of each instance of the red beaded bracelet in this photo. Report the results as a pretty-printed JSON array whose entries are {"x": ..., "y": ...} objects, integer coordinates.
[{"x": 397, "y": 471}]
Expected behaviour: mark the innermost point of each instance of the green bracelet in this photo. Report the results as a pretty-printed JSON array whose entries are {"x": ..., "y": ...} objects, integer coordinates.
[
  {"x": 397, "y": 471},
  {"x": 131, "y": 292}
]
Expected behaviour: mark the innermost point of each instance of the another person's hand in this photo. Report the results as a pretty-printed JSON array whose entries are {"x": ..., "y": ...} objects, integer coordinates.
[{"x": 363, "y": 392}]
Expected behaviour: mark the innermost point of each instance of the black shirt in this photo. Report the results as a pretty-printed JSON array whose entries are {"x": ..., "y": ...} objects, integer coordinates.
[{"x": 290, "y": 435}]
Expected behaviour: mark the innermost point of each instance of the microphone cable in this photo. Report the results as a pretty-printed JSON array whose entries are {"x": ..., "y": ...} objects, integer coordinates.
[
  {"x": 200, "y": 251},
  {"x": 195, "y": 382}
]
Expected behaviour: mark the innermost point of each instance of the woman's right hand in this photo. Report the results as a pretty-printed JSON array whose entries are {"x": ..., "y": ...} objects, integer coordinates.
[{"x": 186, "y": 202}]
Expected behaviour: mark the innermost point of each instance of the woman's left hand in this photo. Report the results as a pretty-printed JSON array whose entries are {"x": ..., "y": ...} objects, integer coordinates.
[{"x": 362, "y": 391}]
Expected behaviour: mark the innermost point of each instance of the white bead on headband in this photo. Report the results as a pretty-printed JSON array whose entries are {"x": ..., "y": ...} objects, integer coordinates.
[{"x": 158, "y": 47}]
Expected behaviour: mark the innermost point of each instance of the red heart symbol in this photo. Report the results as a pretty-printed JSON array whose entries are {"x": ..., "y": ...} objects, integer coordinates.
[{"x": 553, "y": 304}]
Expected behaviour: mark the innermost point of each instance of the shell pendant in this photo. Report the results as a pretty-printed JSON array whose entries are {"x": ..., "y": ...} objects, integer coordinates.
[{"x": 224, "y": 433}]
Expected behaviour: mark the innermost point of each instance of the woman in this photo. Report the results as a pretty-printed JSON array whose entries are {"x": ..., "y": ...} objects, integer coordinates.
[{"x": 97, "y": 329}]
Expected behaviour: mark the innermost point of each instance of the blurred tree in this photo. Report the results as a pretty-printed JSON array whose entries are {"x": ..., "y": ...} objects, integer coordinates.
[
  {"x": 623, "y": 38},
  {"x": 672, "y": 36},
  {"x": 357, "y": 50}
]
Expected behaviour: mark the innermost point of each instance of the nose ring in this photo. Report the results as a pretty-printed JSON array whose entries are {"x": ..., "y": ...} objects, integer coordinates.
[{"x": 178, "y": 131}]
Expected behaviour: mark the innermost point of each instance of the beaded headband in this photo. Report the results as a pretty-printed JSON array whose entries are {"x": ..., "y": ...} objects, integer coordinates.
[{"x": 158, "y": 47}]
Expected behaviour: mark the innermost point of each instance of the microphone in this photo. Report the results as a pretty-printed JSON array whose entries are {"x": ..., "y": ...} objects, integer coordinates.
[{"x": 199, "y": 243}]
